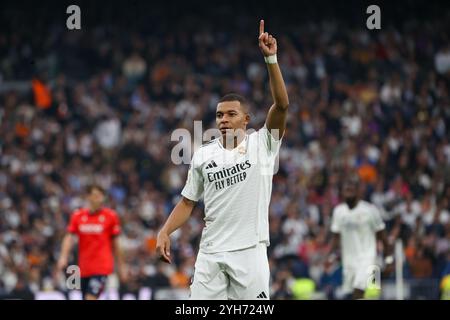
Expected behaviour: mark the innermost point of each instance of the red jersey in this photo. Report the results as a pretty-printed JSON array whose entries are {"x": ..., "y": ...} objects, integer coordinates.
[{"x": 95, "y": 233}]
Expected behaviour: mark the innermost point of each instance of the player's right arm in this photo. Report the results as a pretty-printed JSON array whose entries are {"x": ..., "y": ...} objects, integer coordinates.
[
  {"x": 66, "y": 247},
  {"x": 335, "y": 234},
  {"x": 191, "y": 193},
  {"x": 179, "y": 215},
  {"x": 68, "y": 241}
]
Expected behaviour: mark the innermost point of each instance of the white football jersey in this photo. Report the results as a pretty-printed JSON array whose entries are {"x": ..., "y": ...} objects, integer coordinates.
[
  {"x": 357, "y": 228},
  {"x": 236, "y": 186}
]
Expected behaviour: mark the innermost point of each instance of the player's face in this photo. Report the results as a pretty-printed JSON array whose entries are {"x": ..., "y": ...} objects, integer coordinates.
[
  {"x": 350, "y": 189},
  {"x": 230, "y": 115},
  {"x": 96, "y": 197}
]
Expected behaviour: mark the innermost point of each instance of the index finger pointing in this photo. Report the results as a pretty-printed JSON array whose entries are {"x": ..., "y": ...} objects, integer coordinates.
[{"x": 261, "y": 27}]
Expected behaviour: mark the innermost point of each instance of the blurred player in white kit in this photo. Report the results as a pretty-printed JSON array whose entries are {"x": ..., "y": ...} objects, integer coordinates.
[{"x": 357, "y": 225}]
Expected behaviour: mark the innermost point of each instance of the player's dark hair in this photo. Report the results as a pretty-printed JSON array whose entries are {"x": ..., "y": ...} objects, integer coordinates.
[
  {"x": 94, "y": 186},
  {"x": 236, "y": 97}
]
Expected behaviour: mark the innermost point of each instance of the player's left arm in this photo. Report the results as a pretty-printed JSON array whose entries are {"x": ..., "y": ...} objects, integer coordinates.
[
  {"x": 121, "y": 266},
  {"x": 335, "y": 229},
  {"x": 117, "y": 250},
  {"x": 383, "y": 238},
  {"x": 381, "y": 235},
  {"x": 276, "y": 118}
]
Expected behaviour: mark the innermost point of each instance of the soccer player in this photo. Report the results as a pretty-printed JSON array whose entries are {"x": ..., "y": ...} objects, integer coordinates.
[
  {"x": 357, "y": 225},
  {"x": 234, "y": 175},
  {"x": 97, "y": 228}
]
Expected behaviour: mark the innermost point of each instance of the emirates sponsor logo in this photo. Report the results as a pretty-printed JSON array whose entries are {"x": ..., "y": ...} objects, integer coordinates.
[{"x": 227, "y": 177}]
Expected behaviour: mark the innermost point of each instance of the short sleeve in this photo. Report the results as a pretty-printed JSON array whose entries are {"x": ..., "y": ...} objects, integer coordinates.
[
  {"x": 193, "y": 189},
  {"x": 376, "y": 219},
  {"x": 73, "y": 224},
  {"x": 115, "y": 227},
  {"x": 335, "y": 222},
  {"x": 270, "y": 140}
]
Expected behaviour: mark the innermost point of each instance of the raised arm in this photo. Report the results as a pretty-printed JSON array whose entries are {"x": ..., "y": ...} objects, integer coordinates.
[{"x": 276, "y": 118}]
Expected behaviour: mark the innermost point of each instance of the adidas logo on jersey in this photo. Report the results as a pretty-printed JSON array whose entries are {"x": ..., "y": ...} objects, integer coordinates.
[
  {"x": 211, "y": 165},
  {"x": 262, "y": 295}
]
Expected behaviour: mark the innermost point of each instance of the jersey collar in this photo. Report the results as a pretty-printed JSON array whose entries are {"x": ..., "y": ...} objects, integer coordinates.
[{"x": 93, "y": 213}]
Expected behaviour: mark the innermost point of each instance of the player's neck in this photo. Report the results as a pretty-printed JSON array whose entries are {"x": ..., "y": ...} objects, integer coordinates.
[
  {"x": 94, "y": 209},
  {"x": 352, "y": 202}
]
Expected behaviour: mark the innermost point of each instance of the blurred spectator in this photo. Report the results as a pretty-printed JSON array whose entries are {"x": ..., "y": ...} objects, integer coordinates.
[
  {"x": 442, "y": 60},
  {"x": 331, "y": 278},
  {"x": 21, "y": 290}
]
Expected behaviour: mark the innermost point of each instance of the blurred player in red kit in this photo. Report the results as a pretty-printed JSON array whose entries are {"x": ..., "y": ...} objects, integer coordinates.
[{"x": 97, "y": 228}]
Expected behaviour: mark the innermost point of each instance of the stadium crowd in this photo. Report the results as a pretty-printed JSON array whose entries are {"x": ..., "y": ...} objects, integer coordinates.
[{"x": 101, "y": 105}]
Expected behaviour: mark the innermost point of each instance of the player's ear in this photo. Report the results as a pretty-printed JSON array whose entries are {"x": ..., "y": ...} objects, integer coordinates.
[{"x": 247, "y": 118}]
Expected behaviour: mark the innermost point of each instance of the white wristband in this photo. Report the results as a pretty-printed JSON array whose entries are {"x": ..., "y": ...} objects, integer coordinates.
[
  {"x": 389, "y": 259},
  {"x": 271, "y": 59}
]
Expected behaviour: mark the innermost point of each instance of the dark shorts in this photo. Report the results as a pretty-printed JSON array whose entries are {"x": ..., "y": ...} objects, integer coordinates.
[{"x": 93, "y": 285}]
